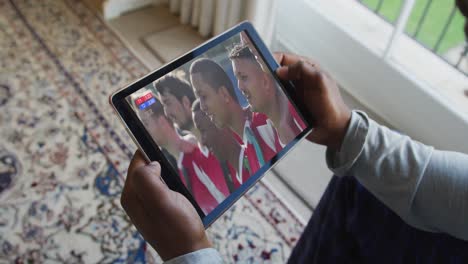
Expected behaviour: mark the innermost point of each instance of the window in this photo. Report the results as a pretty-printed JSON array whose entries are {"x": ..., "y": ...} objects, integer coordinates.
[{"x": 413, "y": 87}]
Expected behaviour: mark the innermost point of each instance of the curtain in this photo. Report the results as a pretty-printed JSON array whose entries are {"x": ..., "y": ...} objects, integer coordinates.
[{"x": 211, "y": 17}]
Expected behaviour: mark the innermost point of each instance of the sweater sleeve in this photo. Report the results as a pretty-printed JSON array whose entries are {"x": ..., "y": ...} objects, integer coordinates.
[
  {"x": 427, "y": 188},
  {"x": 202, "y": 256}
]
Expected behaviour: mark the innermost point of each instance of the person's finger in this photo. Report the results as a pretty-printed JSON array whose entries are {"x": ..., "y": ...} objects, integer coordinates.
[
  {"x": 129, "y": 200},
  {"x": 286, "y": 59},
  {"x": 125, "y": 198},
  {"x": 138, "y": 160},
  {"x": 150, "y": 189},
  {"x": 135, "y": 211},
  {"x": 298, "y": 71}
]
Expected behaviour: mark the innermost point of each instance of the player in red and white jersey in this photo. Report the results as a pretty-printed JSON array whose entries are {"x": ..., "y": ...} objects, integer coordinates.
[
  {"x": 296, "y": 122},
  {"x": 162, "y": 130},
  {"x": 199, "y": 169},
  {"x": 176, "y": 95},
  {"x": 193, "y": 166},
  {"x": 206, "y": 164},
  {"x": 265, "y": 96},
  {"x": 227, "y": 149},
  {"x": 185, "y": 150},
  {"x": 248, "y": 157},
  {"x": 235, "y": 172},
  {"x": 219, "y": 101},
  {"x": 250, "y": 141},
  {"x": 207, "y": 183},
  {"x": 265, "y": 131}
]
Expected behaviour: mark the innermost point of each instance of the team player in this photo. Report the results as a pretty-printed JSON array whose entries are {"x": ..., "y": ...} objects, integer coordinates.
[
  {"x": 275, "y": 120},
  {"x": 223, "y": 145},
  {"x": 245, "y": 40},
  {"x": 187, "y": 156},
  {"x": 176, "y": 95},
  {"x": 218, "y": 100},
  {"x": 297, "y": 120},
  {"x": 203, "y": 171},
  {"x": 205, "y": 175},
  {"x": 164, "y": 134}
]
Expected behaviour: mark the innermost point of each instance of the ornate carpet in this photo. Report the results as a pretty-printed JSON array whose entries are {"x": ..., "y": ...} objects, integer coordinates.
[{"x": 64, "y": 154}]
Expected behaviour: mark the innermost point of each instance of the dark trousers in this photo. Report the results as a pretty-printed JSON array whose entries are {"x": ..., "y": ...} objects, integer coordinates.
[{"x": 351, "y": 226}]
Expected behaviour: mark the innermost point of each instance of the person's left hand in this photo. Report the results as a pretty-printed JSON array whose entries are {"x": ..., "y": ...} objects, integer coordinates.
[{"x": 166, "y": 219}]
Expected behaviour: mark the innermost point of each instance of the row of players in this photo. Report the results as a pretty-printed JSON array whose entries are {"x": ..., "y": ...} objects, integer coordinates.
[{"x": 216, "y": 143}]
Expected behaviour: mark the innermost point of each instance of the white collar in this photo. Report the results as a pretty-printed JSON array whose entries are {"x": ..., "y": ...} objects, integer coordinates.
[
  {"x": 179, "y": 160},
  {"x": 204, "y": 150},
  {"x": 241, "y": 163}
]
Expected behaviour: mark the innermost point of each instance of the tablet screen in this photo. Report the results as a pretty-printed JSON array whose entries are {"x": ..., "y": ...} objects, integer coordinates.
[{"x": 220, "y": 119}]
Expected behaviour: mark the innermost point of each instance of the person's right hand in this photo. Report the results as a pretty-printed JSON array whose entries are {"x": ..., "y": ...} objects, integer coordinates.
[{"x": 320, "y": 95}]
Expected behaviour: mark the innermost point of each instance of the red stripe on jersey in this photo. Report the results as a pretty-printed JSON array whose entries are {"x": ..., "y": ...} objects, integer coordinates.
[
  {"x": 200, "y": 168},
  {"x": 296, "y": 122},
  {"x": 266, "y": 135},
  {"x": 234, "y": 174},
  {"x": 249, "y": 151}
]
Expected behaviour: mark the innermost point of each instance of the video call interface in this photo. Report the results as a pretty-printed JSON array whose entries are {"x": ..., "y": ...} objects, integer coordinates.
[{"x": 218, "y": 119}]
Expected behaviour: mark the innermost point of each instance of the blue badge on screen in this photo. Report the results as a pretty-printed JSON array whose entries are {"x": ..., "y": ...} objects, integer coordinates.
[{"x": 147, "y": 103}]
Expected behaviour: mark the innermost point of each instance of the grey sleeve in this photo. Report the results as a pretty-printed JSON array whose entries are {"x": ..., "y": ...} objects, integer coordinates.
[
  {"x": 427, "y": 188},
  {"x": 202, "y": 256}
]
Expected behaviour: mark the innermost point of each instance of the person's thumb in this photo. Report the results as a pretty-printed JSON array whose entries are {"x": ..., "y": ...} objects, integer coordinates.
[{"x": 148, "y": 184}]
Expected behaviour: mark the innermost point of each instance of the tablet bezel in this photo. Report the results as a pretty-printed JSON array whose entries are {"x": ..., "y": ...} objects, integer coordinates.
[{"x": 151, "y": 150}]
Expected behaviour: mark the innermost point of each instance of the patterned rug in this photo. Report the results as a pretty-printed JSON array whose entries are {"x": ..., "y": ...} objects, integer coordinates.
[{"x": 64, "y": 154}]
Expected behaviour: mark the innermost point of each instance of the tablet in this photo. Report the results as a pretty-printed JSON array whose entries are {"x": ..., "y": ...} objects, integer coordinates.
[{"x": 217, "y": 119}]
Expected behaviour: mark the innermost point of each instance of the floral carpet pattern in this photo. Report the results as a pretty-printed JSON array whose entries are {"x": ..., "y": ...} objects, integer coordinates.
[{"x": 64, "y": 154}]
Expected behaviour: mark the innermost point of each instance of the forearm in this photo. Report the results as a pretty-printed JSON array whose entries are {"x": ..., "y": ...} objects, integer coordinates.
[{"x": 404, "y": 175}]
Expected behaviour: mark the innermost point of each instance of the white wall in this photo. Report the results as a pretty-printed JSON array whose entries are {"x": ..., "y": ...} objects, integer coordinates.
[
  {"x": 262, "y": 14},
  {"x": 114, "y": 8}
]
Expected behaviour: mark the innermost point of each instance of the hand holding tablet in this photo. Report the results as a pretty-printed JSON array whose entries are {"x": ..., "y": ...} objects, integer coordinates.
[
  {"x": 166, "y": 219},
  {"x": 217, "y": 119},
  {"x": 320, "y": 96}
]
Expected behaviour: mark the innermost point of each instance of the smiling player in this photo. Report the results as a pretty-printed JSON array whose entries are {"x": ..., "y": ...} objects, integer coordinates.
[
  {"x": 177, "y": 97},
  {"x": 218, "y": 100},
  {"x": 224, "y": 146},
  {"x": 274, "y": 119}
]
